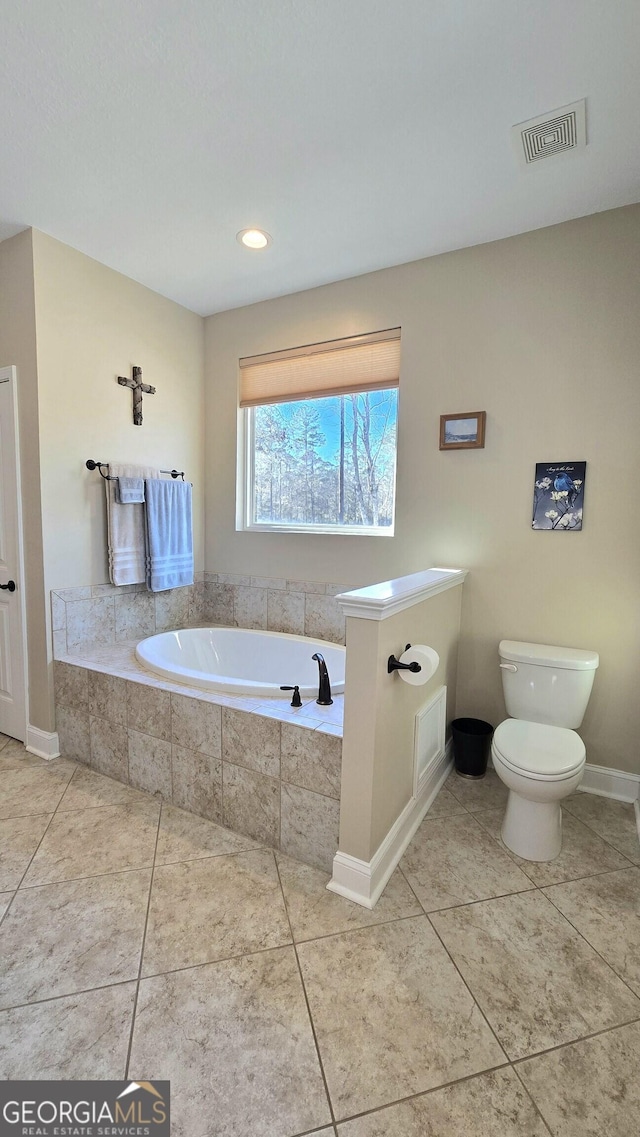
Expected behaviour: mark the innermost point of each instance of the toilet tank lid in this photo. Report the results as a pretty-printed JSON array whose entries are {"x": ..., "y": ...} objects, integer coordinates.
[{"x": 543, "y": 655}]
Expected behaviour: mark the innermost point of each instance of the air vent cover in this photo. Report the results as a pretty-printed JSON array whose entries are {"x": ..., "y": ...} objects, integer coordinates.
[{"x": 551, "y": 134}]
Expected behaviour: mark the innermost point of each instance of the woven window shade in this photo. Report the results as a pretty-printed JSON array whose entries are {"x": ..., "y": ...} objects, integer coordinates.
[{"x": 337, "y": 367}]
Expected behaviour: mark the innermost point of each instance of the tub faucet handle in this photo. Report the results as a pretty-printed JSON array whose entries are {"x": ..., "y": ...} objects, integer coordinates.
[{"x": 296, "y": 700}]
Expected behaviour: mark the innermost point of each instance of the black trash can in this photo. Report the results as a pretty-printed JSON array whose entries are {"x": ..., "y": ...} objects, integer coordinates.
[{"x": 471, "y": 745}]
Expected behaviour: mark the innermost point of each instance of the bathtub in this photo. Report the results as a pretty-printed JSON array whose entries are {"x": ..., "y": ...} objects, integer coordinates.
[{"x": 238, "y": 661}]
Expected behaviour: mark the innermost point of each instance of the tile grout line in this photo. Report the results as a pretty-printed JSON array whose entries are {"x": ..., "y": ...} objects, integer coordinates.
[
  {"x": 142, "y": 946},
  {"x": 421, "y": 1094},
  {"x": 532, "y": 1100},
  {"x": 513, "y": 856},
  {"x": 589, "y": 826},
  {"x": 67, "y": 995},
  {"x": 19, "y": 885},
  {"x": 458, "y": 972},
  {"x": 512, "y": 1062},
  {"x": 306, "y": 1000},
  {"x": 361, "y": 928},
  {"x": 580, "y": 1038},
  {"x": 573, "y": 1041},
  {"x": 588, "y": 942}
]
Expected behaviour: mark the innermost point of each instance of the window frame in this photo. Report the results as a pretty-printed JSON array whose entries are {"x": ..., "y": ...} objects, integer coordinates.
[{"x": 245, "y": 492}]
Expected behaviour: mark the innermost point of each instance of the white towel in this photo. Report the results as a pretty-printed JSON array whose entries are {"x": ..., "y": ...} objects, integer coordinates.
[
  {"x": 126, "y": 529},
  {"x": 169, "y": 534}
]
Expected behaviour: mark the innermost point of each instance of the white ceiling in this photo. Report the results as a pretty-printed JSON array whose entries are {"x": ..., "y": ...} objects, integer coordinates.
[{"x": 359, "y": 133}]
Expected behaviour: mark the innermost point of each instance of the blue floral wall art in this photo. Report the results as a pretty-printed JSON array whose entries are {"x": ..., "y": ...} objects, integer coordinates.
[{"x": 558, "y": 496}]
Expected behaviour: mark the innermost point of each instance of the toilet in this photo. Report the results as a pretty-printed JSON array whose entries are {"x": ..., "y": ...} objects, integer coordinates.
[{"x": 536, "y": 752}]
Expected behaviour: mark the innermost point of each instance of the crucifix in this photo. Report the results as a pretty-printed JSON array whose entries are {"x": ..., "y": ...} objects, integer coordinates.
[{"x": 137, "y": 386}]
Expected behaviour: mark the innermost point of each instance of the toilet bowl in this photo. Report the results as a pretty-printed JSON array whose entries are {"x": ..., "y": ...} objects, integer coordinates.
[
  {"x": 536, "y": 752},
  {"x": 540, "y": 765}
]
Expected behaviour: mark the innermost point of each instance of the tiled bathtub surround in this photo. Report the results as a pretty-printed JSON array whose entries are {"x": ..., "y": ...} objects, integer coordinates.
[
  {"x": 261, "y": 769},
  {"x": 104, "y": 614}
]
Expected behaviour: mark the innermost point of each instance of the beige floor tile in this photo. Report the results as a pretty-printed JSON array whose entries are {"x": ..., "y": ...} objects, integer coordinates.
[
  {"x": 445, "y": 805},
  {"x": 313, "y": 911},
  {"x": 89, "y": 842},
  {"x": 613, "y": 820},
  {"x": 490, "y": 1105},
  {"x": 583, "y": 851},
  {"x": 185, "y": 837},
  {"x": 235, "y": 1039},
  {"x": 90, "y": 790},
  {"x": 606, "y": 911},
  {"x": 4, "y": 738},
  {"x": 69, "y": 937},
  {"x": 78, "y": 1036},
  {"x": 14, "y": 756},
  {"x": 591, "y": 1088},
  {"x": 538, "y": 982},
  {"x": 482, "y": 793},
  {"x": 19, "y": 839},
  {"x": 34, "y": 790},
  {"x": 5, "y": 900},
  {"x": 205, "y": 910},
  {"x": 452, "y": 860},
  {"x": 391, "y": 1014}
]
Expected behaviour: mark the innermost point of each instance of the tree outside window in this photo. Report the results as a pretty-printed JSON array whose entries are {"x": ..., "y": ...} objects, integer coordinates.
[{"x": 325, "y": 462}]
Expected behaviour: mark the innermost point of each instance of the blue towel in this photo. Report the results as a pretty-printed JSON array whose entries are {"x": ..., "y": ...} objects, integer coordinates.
[
  {"x": 129, "y": 491},
  {"x": 169, "y": 534}
]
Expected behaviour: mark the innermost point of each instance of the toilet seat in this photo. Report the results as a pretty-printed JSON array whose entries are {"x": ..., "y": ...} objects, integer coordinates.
[{"x": 537, "y": 750}]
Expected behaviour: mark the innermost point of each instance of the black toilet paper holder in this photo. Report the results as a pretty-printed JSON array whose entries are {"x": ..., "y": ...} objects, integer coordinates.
[{"x": 394, "y": 664}]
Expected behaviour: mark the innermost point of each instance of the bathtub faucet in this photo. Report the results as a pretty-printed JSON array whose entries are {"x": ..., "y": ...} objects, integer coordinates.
[{"x": 324, "y": 689}]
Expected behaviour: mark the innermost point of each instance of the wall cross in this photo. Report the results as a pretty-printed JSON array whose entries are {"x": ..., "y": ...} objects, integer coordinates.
[{"x": 137, "y": 386}]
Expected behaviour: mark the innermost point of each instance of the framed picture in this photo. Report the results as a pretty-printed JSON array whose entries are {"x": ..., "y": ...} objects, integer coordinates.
[
  {"x": 558, "y": 496},
  {"x": 462, "y": 432}
]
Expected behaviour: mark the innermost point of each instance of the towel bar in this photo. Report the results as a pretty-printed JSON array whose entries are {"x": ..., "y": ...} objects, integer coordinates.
[{"x": 91, "y": 465}]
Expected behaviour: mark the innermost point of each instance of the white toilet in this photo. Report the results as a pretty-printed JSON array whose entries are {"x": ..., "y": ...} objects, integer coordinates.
[{"x": 536, "y": 752}]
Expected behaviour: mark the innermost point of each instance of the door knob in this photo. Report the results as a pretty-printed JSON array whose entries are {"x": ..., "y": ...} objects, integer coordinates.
[{"x": 10, "y": 586}]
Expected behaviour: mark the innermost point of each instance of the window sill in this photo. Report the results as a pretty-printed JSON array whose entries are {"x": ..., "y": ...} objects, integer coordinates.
[{"x": 320, "y": 530}]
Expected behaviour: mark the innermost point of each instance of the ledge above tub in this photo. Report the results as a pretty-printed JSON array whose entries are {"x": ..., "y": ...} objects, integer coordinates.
[{"x": 379, "y": 601}]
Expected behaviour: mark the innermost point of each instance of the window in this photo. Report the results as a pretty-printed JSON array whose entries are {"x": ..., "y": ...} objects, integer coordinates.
[{"x": 320, "y": 436}]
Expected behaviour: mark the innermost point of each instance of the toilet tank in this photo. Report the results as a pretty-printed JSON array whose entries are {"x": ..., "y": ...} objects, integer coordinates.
[{"x": 546, "y": 684}]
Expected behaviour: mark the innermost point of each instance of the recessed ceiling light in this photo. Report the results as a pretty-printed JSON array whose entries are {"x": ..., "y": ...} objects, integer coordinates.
[{"x": 253, "y": 238}]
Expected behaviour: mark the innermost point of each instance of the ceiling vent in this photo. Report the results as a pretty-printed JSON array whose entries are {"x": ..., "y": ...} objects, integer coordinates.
[{"x": 551, "y": 134}]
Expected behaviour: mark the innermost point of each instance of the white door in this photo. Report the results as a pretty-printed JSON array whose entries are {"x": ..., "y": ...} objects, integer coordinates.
[{"x": 13, "y": 718}]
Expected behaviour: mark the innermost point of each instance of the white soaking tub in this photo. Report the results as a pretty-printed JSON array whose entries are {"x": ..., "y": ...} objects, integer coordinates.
[{"x": 236, "y": 661}]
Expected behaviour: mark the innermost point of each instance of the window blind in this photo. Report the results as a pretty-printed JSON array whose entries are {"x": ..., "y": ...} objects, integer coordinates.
[{"x": 337, "y": 367}]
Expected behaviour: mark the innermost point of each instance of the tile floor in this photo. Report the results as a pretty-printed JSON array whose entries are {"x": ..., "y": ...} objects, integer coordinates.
[{"x": 484, "y": 997}]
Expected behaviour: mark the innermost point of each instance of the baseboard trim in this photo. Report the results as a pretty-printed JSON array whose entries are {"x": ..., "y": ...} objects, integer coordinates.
[
  {"x": 610, "y": 783},
  {"x": 364, "y": 881},
  {"x": 43, "y": 743}
]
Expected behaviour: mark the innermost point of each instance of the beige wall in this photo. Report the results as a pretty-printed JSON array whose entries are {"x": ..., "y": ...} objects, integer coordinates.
[
  {"x": 18, "y": 348},
  {"x": 92, "y": 325},
  {"x": 542, "y": 332},
  {"x": 72, "y": 325},
  {"x": 380, "y": 710}
]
